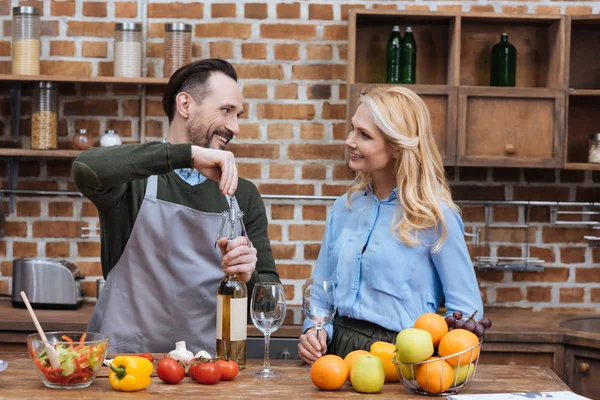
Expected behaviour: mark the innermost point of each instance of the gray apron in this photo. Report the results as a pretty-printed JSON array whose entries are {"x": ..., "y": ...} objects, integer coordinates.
[{"x": 163, "y": 289}]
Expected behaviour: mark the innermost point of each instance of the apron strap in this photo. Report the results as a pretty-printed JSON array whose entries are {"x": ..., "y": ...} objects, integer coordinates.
[{"x": 151, "y": 188}]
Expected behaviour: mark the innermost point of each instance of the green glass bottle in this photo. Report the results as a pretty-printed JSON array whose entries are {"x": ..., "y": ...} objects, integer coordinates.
[
  {"x": 393, "y": 56},
  {"x": 408, "y": 55},
  {"x": 504, "y": 63}
]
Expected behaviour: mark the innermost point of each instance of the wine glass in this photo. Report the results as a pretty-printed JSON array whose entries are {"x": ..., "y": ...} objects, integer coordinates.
[
  {"x": 267, "y": 309},
  {"x": 318, "y": 302}
]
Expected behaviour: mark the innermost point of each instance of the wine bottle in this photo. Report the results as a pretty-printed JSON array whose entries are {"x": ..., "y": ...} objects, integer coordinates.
[
  {"x": 408, "y": 54},
  {"x": 504, "y": 63},
  {"x": 232, "y": 299},
  {"x": 393, "y": 56}
]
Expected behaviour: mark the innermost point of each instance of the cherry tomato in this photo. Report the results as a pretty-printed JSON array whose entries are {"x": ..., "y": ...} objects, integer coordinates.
[
  {"x": 229, "y": 369},
  {"x": 207, "y": 373},
  {"x": 191, "y": 370},
  {"x": 147, "y": 356},
  {"x": 170, "y": 371}
]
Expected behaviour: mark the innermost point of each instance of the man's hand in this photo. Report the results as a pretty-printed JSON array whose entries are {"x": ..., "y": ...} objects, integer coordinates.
[
  {"x": 216, "y": 165},
  {"x": 309, "y": 349},
  {"x": 238, "y": 257}
]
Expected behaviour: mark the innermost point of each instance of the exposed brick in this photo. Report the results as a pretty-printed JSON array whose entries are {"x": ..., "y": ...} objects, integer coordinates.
[
  {"x": 106, "y": 68},
  {"x": 288, "y": 11},
  {"x": 509, "y": 251},
  {"x": 126, "y": 9},
  {"x": 578, "y": 10},
  {"x": 286, "y": 91},
  {"x": 342, "y": 172},
  {"x": 472, "y": 192},
  {"x": 333, "y": 111},
  {"x": 221, "y": 49},
  {"x": 596, "y": 255},
  {"x": 506, "y": 174},
  {"x": 255, "y": 91},
  {"x": 94, "y": 9},
  {"x": 510, "y": 9},
  {"x": 68, "y": 68},
  {"x": 322, "y": 72},
  {"x": 281, "y": 171},
  {"x": 481, "y": 8},
  {"x": 286, "y": 52},
  {"x": 57, "y": 229},
  {"x": 87, "y": 268},
  {"x": 473, "y": 214},
  {"x": 311, "y": 251},
  {"x": 65, "y": 48},
  {"x": 176, "y": 10},
  {"x": 289, "y": 291},
  {"x": 318, "y": 52},
  {"x": 15, "y": 228},
  {"x": 587, "y": 274},
  {"x": 224, "y": 29},
  {"x": 280, "y": 131},
  {"x": 250, "y": 170},
  {"x": 569, "y": 309},
  {"x": 587, "y": 194},
  {"x": 335, "y": 32},
  {"x": 595, "y": 295},
  {"x": 284, "y": 251},
  {"x": 5, "y": 48},
  {"x": 539, "y": 293},
  {"x": 315, "y": 152},
  {"x": 443, "y": 8},
  {"x": 94, "y": 49},
  {"x": 477, "y": 174},
  {"x": 60, "y": 209},
  {"x": 333, "y": 190},
  {"x": 564, "y": 235},
  {"x": 539, "y": 175},
  {"x": 88, "y": 249},
  {"x": 282, "y": 211},
  {"x": 122, "y": 127},
  {"x": 154, "y": 128},
  {"x": 226, "y": 10},
  {"x": 294, "y": 271},
  {"x": 89, "y": 210},
  {"x": 249, "y": 131},
  {"x": 509, "y": 294},
  {"x": 288, "y": 31},
  {"x": 314, "y": 212},
  {"x": 306, "y": 232},
  {"x": 538, "y": 193},
  {"x": 340, "y": 132},
  {"x": 571, "y": 176},
  {"x": 58, "y": 249},
  {"x": 285, "y": 111},
  {"x": 25, "y": 249},
  {"x": 320, "y": 11},
  {"x": 259, "y": 71},
  {"x": 546, "y": 254},
  {"x": 312, "y": 132},
  {"x": 28, "y": 209},
  {"x": 156, "y": 30},
  {"x": 253, "y": 151},
  {"x": 4, "y": 288},
  {"x": 280, "y": 188},
  {"x": 547, "y": 10},
  {"x": 93, "y": 29},
  {"x": 313, "y": 171},
  {"x": 62, "y": 8},
  {"x": 571, "y": 295},
  {"x": 256, "y": 10},
  {"x": 254, "y": 51},
  {"x": 506, "y": 214},
  {"x": 321, "y": 92},
  {"x": 572, "y": 255},
  {"x": 91, "y": 107},
  {"x": 550, "y": 274}
]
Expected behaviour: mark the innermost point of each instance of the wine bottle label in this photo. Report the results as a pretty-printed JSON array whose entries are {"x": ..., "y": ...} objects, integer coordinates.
[{"x": 235, "y": 328}]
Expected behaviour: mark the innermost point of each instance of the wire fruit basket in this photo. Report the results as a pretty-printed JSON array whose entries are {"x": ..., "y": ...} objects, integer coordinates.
[{"x": 440, "y": 376}]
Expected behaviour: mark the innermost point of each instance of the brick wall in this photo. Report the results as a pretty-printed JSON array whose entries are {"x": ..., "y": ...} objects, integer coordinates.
[{"x": 291, "y": 59}]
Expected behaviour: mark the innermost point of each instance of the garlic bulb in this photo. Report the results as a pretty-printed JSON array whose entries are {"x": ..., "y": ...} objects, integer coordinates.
[
  {"x": 203, "y": 354},
  {"x": 181, "y": 353}
]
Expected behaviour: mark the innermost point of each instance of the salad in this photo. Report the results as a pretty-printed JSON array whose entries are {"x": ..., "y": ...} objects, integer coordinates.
[{"x": 78, "y": 362}]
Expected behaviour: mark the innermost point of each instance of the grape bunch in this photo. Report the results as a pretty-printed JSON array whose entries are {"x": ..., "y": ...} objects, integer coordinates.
[{"x": 456, "y": 321}]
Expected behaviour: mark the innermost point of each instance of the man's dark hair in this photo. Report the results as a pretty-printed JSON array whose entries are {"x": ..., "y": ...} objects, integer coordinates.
[{"x": 193, "y": 79}]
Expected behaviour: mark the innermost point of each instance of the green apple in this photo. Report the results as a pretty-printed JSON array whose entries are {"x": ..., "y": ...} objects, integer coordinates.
[
  {"x": 368, "y": 374},
  {"x": 407, "y": 371},
  {"x": 413, "y": 345},
  {"x": 463, "y": 372}
]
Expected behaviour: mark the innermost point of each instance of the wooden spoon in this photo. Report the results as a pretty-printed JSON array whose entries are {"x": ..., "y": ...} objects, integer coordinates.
[{"x": 52, "y": 356}]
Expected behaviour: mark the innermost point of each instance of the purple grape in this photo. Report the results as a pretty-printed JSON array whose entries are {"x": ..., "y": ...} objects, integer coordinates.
[
  {"x": 486, "y": 323},
  {"x": 450, "y": 320},
  {"x": 479, "y": 330},
  {"x": 470, "y": 326},
  {"x": 457, "y": 314},
  {"x": 459, "y": 324}
]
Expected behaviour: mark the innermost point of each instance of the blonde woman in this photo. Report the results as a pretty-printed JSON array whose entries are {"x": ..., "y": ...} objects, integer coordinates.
[{"x": 393, "y": 244}]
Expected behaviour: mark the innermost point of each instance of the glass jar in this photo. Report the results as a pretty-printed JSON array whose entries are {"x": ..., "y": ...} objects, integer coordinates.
[
  {"x": 594, "y": 154},
  {"x": 128, "y": 50},
  {"x": 178, "y": 47},
  {"x": 110, "y": 138},
  {"x": 26, "y": 41},
  {"x": 44, "y": 116},
  {"x": 83, "y": 140}
]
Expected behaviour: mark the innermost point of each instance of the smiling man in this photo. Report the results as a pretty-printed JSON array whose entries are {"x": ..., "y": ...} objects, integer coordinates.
[{"x": 160, "y": 209}]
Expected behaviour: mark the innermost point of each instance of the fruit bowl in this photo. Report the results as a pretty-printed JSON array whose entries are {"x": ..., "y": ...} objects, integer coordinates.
[
  {"x": 80, "y": 355},
  {"x": 440, "y": 375}
]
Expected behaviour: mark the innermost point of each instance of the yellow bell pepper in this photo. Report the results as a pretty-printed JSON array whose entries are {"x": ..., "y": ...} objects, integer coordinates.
[{"x": 130, "y": 373}]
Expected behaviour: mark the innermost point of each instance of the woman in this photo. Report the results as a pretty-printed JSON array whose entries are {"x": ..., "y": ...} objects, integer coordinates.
[{"x": 394, "y": 244}]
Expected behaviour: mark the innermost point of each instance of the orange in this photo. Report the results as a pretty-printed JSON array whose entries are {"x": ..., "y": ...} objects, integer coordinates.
[
  {"x": 329, "y": 372},
  {"x": 458, "y": 340},
  {"x": 434, "y": 324},
  {"x": 435, "y": 376},
  {"x": 386, "y": 351},
  {"x": 351, "y": 357}
]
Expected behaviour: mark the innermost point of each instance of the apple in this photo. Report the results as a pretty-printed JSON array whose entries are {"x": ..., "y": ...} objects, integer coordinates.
[
  {"x": 463, "y": 372},
  {"x": 413, "y": 345},
  {"x": 407, "y": 371},
  {"x": 368, "y": 374}
]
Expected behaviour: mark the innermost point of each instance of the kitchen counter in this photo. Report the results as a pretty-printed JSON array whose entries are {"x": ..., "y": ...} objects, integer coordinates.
[{"x": 21, "y": 381}]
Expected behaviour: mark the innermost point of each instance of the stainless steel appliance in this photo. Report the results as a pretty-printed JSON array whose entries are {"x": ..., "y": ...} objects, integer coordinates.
[{"x": 49, "y": 283}]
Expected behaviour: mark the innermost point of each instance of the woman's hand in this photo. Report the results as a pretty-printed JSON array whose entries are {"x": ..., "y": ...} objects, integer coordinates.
[
  {"x": 216, "y": 165},
  {"x": 309, "y": 349}
]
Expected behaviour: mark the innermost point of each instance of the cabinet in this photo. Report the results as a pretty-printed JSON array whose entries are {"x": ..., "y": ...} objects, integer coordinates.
[
  {"x": 540, "y": 354},
  {"x": 582, "y": 371}
]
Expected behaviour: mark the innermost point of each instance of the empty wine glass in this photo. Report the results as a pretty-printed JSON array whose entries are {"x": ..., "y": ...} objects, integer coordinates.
[
  {"x": 267, "y": 309},
  {"x": 318, "y": 302}
]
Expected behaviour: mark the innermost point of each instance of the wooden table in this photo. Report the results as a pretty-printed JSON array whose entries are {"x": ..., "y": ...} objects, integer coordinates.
[{"x": 21, "y": 381}]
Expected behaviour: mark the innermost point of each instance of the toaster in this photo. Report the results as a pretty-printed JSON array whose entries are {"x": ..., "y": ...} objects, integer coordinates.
[{"x": 49, "y": 283}]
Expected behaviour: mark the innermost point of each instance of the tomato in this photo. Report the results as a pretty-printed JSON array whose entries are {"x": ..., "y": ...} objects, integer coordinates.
[
  {"x": 229, "y": 369},
  {"x": 170, "y": 371},
  {"x": 147, "y": 356},
  {"x": 191, "y": 369},
  {"x": 207, "y": 373}
]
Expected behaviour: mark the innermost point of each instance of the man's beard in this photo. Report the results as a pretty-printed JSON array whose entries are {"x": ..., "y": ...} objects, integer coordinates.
[{"x": 200, "y": 136}]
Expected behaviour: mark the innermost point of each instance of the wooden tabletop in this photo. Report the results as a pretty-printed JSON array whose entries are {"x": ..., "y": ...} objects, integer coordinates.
[{"x": 20, "y": 380}]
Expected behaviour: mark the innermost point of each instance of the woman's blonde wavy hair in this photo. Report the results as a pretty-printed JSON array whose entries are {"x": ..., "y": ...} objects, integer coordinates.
[{"x": 404, "y": 120}]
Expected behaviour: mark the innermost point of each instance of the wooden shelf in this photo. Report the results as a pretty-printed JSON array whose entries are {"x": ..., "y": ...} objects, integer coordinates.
[
  {"x": 584, "y": 92},
  {"x": 582, "y": 166},
  {"x": 582, "y": 121},
  {"x": 83, "y": 79},
  {"x": 39, "y": 153},
  {"x": 583, "y": 37}
]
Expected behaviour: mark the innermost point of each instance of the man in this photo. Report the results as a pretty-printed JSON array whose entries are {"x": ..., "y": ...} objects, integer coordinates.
[{"x": 160, "y": 210}]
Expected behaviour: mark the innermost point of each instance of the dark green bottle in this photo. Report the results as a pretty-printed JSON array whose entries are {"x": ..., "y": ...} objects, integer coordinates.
[
  {"x": 408, "y": 55},
  {"x": 393, "y": 56},
  {"x": 504, "y": 63}
]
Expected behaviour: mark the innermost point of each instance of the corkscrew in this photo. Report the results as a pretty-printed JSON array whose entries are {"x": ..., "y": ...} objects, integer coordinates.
[{"x": 231, "y": 223}]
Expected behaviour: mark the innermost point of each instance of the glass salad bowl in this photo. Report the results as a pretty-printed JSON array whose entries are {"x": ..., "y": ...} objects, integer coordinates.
[{"x": 80, "y": 355}]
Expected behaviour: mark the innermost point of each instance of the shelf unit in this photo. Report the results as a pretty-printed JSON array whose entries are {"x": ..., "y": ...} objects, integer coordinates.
[{"x": 538, "y": 123}]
